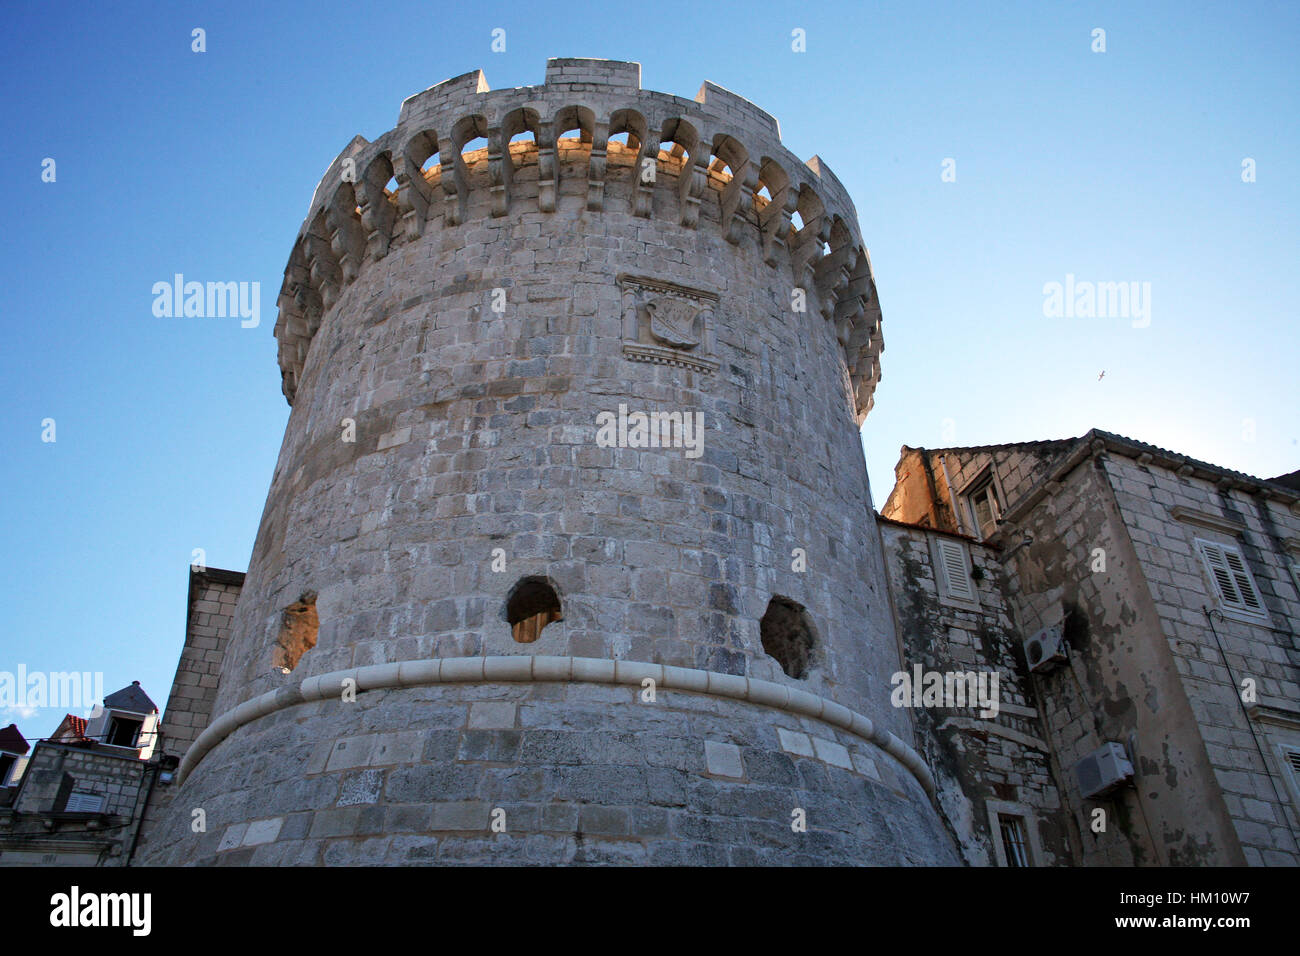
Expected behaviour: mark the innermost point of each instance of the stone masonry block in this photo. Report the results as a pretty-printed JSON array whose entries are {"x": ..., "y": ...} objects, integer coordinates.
[{"x": 723, "y": 760}]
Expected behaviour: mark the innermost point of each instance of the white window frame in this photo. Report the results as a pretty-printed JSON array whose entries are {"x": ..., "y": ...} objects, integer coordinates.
[
  {"x": 985, "y": 482},
  {"x": 989, "y": 493},
  {"x": 1234, "y": 603},
  {"x": 1002, "y": 808},
  {"x": 124, "y": 715}
]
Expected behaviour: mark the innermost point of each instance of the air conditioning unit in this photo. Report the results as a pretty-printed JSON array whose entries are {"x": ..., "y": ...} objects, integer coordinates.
[
  {"x": 1103, "y": 770},
  {"x": 1045, "y": 649}
]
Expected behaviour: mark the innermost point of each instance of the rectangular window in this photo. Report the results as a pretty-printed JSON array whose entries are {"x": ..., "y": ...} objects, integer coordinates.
[
  {"x": 7, "y": 762},
  {"x": 984, "y": 508},
  {"x": 1232, "y": 580},
  {"x": 1014, "y": 843},
  {"x": 954, "y": 574},
  {"x": 124, "y": 732}
]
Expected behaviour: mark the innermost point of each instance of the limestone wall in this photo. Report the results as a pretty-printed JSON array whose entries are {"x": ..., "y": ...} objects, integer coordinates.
[{"x": 212, "y": 598}]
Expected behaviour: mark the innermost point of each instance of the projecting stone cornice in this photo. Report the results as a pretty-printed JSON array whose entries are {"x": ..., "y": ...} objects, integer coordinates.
[
  {"x": 1206, "y": 520},
  {"x": 1278, "y": 713},
  {"x": 524, "y": 669}
]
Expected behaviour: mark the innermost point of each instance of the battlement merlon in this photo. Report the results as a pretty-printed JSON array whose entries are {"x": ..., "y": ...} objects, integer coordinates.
[
  {"x": 604, "y": 73},
  {"x": 459, "y": 91},
  {"x": 723, "y": 101}
]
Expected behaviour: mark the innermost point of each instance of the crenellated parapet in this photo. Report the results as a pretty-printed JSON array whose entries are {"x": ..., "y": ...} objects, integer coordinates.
[{"x": 714, "y": 162}]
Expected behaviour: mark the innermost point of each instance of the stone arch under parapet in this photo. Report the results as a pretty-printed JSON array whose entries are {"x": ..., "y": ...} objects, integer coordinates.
[
  {"x": 811, "y": 212},
  {"x": 517, "y": 123},
  {"x": 773, "y": 218},
  {"x": 569, "y": 118},
  {"x": 728, "y": 158},
  {"x": 641, "y": 146},
  {"x": 852, "y": 333},
  {"x": 419, "y": 151},
  {"x": 732, "y": 178},
  {"x": 566, "y": 120},
  {"x": 807, "y": 235},
  {"x": 465, "y": 131},
  {"x": 347, "y": 235},
  {"x": 323, "y": 267},
  {"x": 379, "y": 201},
  {"x": 684, "y": 140},
  {"x": 630, "y": 122}
]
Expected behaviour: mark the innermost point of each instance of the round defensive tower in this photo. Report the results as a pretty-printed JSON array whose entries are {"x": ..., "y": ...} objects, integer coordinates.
[{"x": 568, "y": 554}]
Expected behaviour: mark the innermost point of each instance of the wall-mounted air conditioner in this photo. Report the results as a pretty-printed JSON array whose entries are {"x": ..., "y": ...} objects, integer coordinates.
[
  {"x": 1045, "y": 649},
  {"x": 1103, "y": 770}
]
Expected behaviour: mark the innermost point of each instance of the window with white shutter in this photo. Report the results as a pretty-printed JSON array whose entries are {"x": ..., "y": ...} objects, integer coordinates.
[
  {"x": 1290, "y": 754},
  {"x": 1293, "y": 762},
  {"x": 1231, "y": 577},
  {"x": 954, "y": 571},
  {"x": 83, "y": 801}
]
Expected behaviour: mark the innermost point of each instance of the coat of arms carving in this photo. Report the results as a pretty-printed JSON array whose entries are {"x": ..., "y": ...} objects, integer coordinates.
[{"x": 667, "y": 323}]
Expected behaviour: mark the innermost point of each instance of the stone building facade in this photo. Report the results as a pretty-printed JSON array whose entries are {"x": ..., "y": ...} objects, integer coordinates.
[
  {"x": 992, "y": 770},
  {"x": 85, "y": 795},
  {"x": 81, "y": 796},
  {"x": 478, "y": 627},
  {"x": 1176, "y": 586}
]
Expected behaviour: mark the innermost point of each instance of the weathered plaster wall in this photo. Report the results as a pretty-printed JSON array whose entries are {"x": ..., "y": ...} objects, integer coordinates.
[
  {"x": 1212, "y": 668},
  {"x": 1120, "y": 683},
  {"x": 976, "y": 759}
]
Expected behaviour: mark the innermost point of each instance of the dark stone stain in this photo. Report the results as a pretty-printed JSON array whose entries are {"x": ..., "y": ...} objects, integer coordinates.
[
  {"x": 1120, "y": 705},
  {"x": 1075, "y": 628}
]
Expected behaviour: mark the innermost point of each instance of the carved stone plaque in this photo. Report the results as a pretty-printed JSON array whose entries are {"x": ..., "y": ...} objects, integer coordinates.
[{"x": 667, "y": 323}]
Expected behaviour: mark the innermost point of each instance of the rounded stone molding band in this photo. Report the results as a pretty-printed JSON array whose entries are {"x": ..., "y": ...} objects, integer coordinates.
[{"x": 544, "y": 669}]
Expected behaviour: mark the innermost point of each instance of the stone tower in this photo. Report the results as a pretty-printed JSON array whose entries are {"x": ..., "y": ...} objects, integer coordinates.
[{"x": 490, "y": 616}]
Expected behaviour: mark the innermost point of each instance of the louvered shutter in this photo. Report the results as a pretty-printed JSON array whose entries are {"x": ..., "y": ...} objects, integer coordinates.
[
  {"x": 1218, "y": 566},
  {"x": 81, "y": 802},
  {"x": 952, "y": 561},
  {"x": 1245, "y": 586},
  {"x": 1235, "y": 585},
  {"x": 1293, "y": 758}
]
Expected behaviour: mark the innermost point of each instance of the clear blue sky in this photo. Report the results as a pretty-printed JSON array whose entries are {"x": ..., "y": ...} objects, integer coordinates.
[{"x": 1115, "y": 166}]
